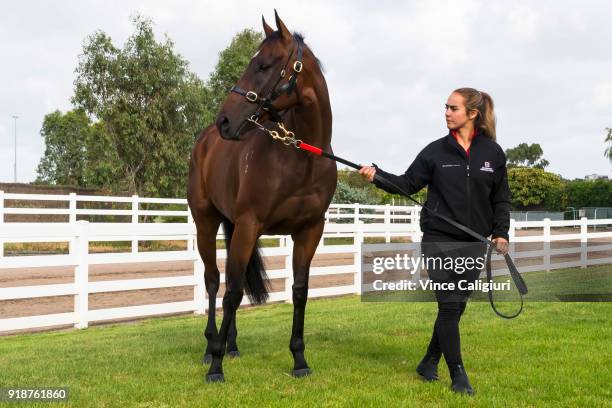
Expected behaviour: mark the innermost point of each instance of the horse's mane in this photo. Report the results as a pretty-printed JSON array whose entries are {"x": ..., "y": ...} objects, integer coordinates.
[{"x": 299, "y": 37}]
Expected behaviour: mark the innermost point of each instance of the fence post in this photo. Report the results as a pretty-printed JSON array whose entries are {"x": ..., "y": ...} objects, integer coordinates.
[
  {"x": 199, "y": 290},
  {"x": 547, "y": 244},
  {"x": 358, "y": 243},
  {"x": 356, "y": 214},
  {"x": 1, "y": 221},
  {"x": 81, "y": 278},
  {"x": 387, "y": 223},
  {"x": 73, "y": 207},
  {"x": 192, "y": 241},
  {"x": 512, "y": 236},
  {"x": 134, "y": 221},
  {"x": 414, "y": 217},
  {"x": 583, "y": 241},
  {"x": 72, "y": 219},
  {"x": 289, "y": 270},
  {"x": 415, "y": 214}
]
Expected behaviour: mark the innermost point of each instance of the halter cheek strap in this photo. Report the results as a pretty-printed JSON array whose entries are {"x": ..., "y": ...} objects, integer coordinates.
[{"x": 265, "y": 103}]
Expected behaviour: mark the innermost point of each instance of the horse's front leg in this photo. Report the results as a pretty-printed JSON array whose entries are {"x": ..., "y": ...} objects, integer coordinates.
[
  {"x": 305, "y": 245},
  {"x": 207, "y": 246},
  {"x": 243, "y": 241}
]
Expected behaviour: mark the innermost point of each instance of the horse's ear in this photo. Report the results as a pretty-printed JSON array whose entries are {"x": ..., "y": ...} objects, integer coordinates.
[
  {"x": 267, "y": 29},
  {"x": 281, "y": 26}
]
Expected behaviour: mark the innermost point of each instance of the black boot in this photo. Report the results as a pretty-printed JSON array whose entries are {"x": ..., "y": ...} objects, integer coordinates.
[
  {"x": 460, "y": 384},
  {"x": 428, "y": 367}
]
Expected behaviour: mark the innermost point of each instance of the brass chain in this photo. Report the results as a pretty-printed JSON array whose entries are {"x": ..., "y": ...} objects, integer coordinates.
[{"x": 288, "y": 139}]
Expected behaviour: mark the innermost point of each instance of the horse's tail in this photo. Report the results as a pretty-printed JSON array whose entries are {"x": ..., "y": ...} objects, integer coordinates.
[{"x": 257, "y": 284}]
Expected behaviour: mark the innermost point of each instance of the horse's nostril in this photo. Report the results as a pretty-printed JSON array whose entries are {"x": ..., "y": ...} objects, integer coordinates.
[
  {"x": 223, "y": 121},
  {"x": 223, "y": 124}
]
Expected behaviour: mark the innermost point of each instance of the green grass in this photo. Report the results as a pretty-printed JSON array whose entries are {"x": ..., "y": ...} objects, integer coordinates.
[{"x": 362, "y": 354}]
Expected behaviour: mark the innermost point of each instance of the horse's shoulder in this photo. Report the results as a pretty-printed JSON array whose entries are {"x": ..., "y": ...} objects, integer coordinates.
[
  {"x": 207, "y": 133},
  {"x": 203, "y": 142}
]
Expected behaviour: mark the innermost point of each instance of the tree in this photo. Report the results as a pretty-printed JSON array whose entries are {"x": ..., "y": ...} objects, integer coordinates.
[
  {"x": 137, "y": 112},
  {"x": 536, "y": 189},
  {"x": 352, "y": 188},
  {"x": 102, "y": 165},
  {"x": 64, "y": 148},
  {"x": 150, "y": 108},
  {"x": 525, "y": 155},
  {"x": 347, "y": 194},
  {"x": 608, "y": 151},
  {"x": 589, "y": 193},
  {"x": 77, "y": 152},
  {"x": 232, "y": 62},
  {"x": 65, "y": 145}
]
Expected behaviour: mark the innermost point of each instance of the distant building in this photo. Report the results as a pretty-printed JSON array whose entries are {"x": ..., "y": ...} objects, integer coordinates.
[{"x": 595, "y": 177}]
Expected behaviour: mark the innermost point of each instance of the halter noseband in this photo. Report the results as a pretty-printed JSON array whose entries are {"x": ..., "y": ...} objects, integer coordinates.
[{"x": 266, "y": 103}]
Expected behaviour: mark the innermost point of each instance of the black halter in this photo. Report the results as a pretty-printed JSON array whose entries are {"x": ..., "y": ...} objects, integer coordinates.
[{"x": 265, "y": 103}]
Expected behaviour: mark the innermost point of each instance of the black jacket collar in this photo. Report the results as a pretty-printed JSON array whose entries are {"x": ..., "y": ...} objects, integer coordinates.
[{"x": 453, "y": 142}]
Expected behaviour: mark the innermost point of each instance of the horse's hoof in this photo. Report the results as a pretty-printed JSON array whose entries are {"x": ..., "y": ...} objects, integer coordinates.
[
  {"x": 207, "y": 359},
  {"x": 211, "y": 378},
  {"x": 233, "y": 353},
  {"x": 302, "y": 372}
]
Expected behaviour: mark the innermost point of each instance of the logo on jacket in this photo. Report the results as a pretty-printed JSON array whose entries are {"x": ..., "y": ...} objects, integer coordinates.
[{"x": 487, "y": 167}]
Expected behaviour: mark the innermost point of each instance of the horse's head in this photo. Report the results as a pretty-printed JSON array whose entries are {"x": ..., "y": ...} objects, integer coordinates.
[{"x": 268, "y": 86}]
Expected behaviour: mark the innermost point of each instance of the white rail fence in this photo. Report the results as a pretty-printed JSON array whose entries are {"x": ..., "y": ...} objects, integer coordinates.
[
  {"x": 71, "y": 207},
  {"x": 355, "y": 222}
]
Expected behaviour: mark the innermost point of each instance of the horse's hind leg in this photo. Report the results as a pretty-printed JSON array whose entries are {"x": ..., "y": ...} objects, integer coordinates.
[
  {"x": 305, "y": 245},
  {"x": 207, "y": 228},
  {"x": 232, "y": 334}
]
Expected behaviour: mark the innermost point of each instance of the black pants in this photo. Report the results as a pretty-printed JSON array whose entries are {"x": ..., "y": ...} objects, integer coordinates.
[
  {"x": 446, "y": 338},
  {"x": 451, "y": 303}
]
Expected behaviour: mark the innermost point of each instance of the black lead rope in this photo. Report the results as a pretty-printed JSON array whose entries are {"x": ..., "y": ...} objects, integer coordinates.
[
  {"x": 518, "y": 281},
  {"x": 265, "y": 103},
  {"x": 516, "y": 276}
]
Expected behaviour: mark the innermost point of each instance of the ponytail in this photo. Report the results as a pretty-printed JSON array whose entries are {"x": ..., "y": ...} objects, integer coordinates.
[{"x": 482, "y": 103}]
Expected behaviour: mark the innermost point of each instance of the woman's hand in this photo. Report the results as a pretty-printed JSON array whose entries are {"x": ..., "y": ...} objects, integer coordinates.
[
  {"x": 368, "y": 173},
  {"x": 501, "y": 245}
]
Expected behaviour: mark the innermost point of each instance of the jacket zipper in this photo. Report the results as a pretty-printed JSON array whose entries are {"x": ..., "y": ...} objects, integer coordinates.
[{"x": 469, "y": 198}]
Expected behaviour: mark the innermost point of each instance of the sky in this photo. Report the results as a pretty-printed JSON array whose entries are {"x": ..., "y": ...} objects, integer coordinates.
[{"x": 389, "y": 66}]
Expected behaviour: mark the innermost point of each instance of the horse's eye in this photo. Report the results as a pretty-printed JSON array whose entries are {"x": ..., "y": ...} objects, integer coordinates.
[{"x": 263, "y": 67}]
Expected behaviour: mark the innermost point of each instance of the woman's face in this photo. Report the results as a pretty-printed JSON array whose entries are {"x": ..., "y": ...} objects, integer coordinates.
[{"x": 456, "y": 114}]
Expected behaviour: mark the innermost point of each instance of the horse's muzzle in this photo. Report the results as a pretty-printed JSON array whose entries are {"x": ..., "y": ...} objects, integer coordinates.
[{"x": 225, "y": 128}]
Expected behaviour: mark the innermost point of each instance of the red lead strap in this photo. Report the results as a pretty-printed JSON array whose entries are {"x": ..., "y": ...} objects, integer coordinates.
[
  {"x": 320, "y": 152},
  {"x": 310, "y": 148}
]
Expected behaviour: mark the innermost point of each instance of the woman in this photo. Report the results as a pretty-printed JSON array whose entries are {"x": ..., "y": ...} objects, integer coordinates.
[{"x": 465, "y": 172}]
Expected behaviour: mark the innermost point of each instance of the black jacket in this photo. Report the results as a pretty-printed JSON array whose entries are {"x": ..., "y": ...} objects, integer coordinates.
[{"x": 472, "y": 190}]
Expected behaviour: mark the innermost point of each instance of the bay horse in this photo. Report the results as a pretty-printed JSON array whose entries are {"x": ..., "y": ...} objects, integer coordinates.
[{"x": 240, "y": 177}]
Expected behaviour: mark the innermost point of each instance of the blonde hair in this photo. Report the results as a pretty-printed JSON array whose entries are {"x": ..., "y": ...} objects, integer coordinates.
[{"x": 483, "y": 104}]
